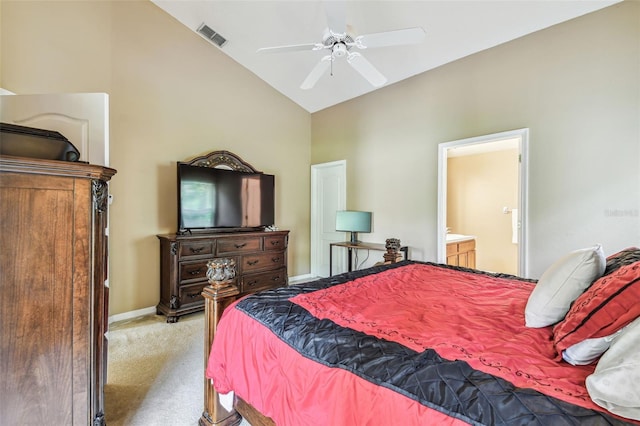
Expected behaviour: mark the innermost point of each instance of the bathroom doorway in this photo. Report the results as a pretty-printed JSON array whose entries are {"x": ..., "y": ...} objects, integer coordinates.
[{"x": 482, "y": 193}]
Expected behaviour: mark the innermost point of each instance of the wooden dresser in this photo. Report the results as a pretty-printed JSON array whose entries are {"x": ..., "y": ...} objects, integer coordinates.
[
  {"x": 53, "y": 297},
  {"x": 261, "y": 262}
]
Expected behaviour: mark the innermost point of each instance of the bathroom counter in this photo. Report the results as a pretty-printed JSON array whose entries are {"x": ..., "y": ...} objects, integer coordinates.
[{"x": 458, "y": 238}]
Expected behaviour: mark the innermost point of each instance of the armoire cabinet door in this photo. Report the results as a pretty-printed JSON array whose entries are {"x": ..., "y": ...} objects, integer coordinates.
[{"x": 36, "y": 299}]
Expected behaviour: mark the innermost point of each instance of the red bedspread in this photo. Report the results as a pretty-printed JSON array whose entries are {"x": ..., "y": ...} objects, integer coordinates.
[
  {"x": 472, "y": 317},
  {"x": 295, "y": 391},
  {"x": 476, "y": 318}
]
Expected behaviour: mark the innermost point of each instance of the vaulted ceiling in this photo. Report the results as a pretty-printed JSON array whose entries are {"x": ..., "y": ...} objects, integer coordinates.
[{"x": 453, "y": 29}]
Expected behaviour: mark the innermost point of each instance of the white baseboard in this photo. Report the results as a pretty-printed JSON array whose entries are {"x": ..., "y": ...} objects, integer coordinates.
[
  {"x": 132, "y": 314},
  {"x": 300, "y": 278},
  {"x": 152, "y": 309}
]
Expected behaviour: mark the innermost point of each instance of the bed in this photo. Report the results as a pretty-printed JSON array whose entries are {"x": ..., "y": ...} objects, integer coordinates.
[{"x": 422, "y": 343}]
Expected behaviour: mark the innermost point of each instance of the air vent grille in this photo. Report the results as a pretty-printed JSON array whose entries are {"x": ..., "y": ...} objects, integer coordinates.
[{"x": 214, "y": 37}]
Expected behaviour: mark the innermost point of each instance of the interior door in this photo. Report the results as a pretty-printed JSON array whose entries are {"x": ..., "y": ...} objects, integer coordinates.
[
  {"x": 328, "y": 195},
  {"x": 83, "y": 118}
]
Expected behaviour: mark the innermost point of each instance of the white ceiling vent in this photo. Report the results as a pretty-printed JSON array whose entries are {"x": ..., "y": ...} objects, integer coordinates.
[{"x": 208, "y": 33}]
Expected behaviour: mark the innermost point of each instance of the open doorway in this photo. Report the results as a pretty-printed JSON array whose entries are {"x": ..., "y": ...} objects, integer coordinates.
[{"x": 482, "y": 193}]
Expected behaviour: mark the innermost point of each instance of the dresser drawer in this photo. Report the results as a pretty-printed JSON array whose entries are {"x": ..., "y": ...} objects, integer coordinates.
[
  {"x": 191, "y": 294},
  {"x": 238, "y": 245},
  {"x": 250, "y": 283},
  {"x": 276, "y": 242},
  {"x": 261, "y": 261},
  {"x": 197, "y": 248},
  {"x": 195, "y": 270}
]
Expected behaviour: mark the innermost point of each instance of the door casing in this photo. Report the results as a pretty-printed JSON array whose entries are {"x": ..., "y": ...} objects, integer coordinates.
[{"x": 523, "y": 190}]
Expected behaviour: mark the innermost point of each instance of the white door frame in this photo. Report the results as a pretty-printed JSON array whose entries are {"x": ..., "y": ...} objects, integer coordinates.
[
  {"x": 316, "y": 210},
  {"x": 523, "y": 191}
]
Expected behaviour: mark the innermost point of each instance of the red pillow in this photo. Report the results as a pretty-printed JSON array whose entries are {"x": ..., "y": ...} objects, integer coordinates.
[
  {"x": 612, "y": 302},
  {"x": 621, "y": 258}
]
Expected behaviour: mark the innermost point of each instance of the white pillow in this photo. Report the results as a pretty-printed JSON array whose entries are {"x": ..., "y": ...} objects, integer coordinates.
[
  {"x": 614, "y": 383},
  {"x": 588, "y": 350},
  {"x": 561, "y": 284}
]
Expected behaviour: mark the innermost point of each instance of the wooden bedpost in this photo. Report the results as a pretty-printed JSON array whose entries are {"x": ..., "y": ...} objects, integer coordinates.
[{"x": 215, "y": 302}]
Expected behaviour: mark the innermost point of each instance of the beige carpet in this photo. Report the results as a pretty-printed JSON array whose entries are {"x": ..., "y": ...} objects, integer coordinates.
[{"x": 155, "y": 372}]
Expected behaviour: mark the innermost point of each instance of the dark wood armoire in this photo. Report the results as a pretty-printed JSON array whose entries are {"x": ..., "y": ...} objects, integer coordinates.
[{"x": 53, "y": 294}]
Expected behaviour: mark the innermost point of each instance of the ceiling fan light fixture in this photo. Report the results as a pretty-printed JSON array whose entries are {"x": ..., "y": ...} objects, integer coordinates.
[{"x": 339, "y": 50}]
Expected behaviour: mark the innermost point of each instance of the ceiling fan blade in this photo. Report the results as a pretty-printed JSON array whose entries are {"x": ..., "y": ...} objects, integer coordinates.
[
  {"x": 390, "y": 38},
  {"x": 336, "y": 16},
  {"x": 366, "y": 69},
  {"x": 291, "y": 48},
  {"x": 316, "y": 73}
]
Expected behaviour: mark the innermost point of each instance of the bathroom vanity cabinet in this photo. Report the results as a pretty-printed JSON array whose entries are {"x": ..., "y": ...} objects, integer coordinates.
[{"x": 462, "y": 252}]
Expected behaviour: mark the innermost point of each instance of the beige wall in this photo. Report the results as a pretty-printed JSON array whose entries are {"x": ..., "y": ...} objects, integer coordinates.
[
  {"x": 478, "y": 187},
  {"x": 576, "y": 86},
  {"x": 173, "y": 96}
]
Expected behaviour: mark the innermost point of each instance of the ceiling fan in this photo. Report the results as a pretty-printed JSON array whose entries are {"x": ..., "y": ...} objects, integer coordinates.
[{"x": 339, "y": 44}]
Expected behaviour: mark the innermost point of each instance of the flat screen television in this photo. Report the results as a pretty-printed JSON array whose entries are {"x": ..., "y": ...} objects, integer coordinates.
[{"x": 220, "y": 199}]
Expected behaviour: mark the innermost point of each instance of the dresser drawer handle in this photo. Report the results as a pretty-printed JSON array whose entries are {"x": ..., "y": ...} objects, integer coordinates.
[
  {"x": 196, "y": 250},
  {"x": 275, "y": 278},
  {"x": 196, "y": 272},
  {"x": 252, "y": 283},
  {"x": 240, "y": 245},
  {"x": 253, "y": 262},
  {"x": 275, "y": 259},
  {"x": 275, "y": 242},
  {"x": 193, "y": 295}
]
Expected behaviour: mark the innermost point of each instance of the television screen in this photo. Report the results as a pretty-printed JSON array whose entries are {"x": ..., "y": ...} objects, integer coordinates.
[{"x": 220, "y": 198}]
